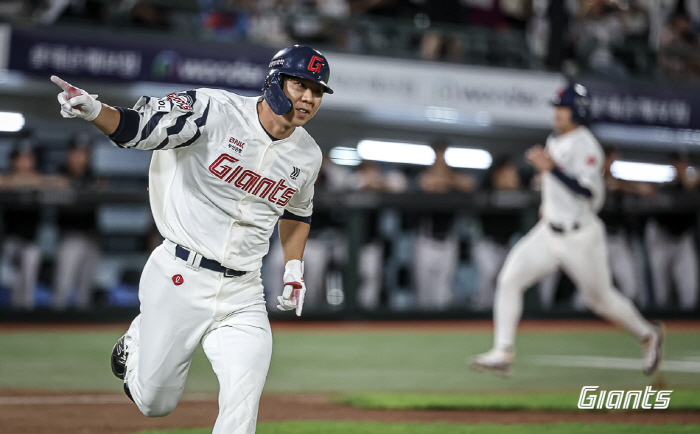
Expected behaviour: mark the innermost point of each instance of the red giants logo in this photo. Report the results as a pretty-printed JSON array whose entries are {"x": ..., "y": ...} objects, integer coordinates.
[
  {"x": 315, "y": 64},
  {"x": 251, "y": 182},
  {"x": 182, "y": 100}
]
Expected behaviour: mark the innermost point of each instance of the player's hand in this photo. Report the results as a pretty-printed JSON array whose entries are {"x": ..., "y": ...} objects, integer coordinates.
[
  {"x": 539, "y": 158},
  {"x": 76, "y": 102},
  {"x": 294, "y": 288}
]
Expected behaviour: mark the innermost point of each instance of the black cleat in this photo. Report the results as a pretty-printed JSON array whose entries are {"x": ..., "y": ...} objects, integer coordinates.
[
  {"x": 119, "y": 355},
  {"x": 128, "y": 393}
]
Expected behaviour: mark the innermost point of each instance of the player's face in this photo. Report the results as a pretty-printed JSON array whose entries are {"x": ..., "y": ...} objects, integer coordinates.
[
  {"x": 562, "y": 119},
  {"x": 305, "y": 96}
]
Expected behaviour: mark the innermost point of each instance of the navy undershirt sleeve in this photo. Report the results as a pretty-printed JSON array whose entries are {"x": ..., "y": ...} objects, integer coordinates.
[
  {"x": 128, "y": 126},
  {"x": 291, "y": 216},
  {"x": 571, "y": 183}
]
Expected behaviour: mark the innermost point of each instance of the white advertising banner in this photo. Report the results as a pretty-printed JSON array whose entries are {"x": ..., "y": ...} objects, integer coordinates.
[{"x": 443, "y": 92}]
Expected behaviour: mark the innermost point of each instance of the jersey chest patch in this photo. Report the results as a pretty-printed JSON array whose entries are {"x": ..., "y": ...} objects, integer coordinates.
[{"x": 235, "y": 145}]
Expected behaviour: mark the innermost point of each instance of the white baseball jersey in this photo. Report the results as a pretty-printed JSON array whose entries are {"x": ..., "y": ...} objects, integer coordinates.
[
  {"x": 579, "y": 156},
  {"x": 223, "y": 183}
]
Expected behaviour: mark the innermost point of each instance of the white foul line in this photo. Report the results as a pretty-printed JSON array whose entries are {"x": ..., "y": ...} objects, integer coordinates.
[
  {"x": 85, "y": 399},
  {"x": 613, "y": 363}
]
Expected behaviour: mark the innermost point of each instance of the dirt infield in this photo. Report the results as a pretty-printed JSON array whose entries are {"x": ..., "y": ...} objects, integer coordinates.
[{"x": 36, "y": 412}]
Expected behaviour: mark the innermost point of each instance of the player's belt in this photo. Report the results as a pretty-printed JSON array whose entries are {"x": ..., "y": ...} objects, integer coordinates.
[
  {"x": 209, "y": 264},
  {"x": 560, "y": 229}
]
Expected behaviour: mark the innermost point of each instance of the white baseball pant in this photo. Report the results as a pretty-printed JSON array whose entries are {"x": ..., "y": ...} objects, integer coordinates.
[
  {"x": 227, "y": 314},
  {"x": 582, "y": 255},
  {"x": 672, "y": 260}
]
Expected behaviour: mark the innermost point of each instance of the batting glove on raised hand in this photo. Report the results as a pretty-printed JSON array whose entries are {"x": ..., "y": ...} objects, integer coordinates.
[
  {"x": 76, "y": 102},
  {"x": 294, "y": 288}
]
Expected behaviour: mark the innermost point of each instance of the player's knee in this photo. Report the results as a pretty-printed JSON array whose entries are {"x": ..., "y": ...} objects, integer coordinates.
[
  {"x": 508, "y": 280},
  {"x": 158, "y": 406}
]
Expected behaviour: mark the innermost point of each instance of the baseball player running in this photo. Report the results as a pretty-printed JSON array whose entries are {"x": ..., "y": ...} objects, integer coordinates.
[
  {"x": 226, "y": 169},
  {"x": 569, "y": 235}
]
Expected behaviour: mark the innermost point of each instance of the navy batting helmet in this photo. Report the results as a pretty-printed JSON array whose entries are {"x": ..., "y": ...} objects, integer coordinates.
[
  {"x": 576, "y": 97},
  {"x": 296, "y": 61}
]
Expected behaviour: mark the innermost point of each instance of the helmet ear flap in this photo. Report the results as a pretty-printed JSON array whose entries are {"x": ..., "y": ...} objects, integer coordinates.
[{"x": 274, "y": 95}]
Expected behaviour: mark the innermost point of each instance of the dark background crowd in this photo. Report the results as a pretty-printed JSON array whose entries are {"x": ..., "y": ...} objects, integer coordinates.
[{"x": 622, "y": 38}]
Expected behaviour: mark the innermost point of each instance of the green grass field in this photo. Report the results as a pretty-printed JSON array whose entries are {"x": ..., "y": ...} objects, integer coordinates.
[{"x": 392, "y": 369}]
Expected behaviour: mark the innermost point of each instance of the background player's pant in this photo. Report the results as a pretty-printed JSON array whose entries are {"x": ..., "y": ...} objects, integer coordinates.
[
  {"x": 489, "y": 257},
  {"x": 25, "y": 257},
  {"x": 672, "y": 260},
  {"x": 435, "y": 265},
  {"x": 371, "y": 267},
  {"x": 623, "y": 266},
  {"x": 582, "y": 255},
  {"x": 76, "y": 261},
  {"x": 226, "y": 314}
]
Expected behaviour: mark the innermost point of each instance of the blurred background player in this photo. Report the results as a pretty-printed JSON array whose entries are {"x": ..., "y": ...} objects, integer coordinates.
[
  {"x": 621, "y": 227},
  {"x": 670, "y": 240},
  {"x": 369, "y": 177},
  {"x": 569, "y": 235},
  {"x": 436, "y": 250},
  {"x": 78, "y": 251},
  {"x": 20, "y": 250}
]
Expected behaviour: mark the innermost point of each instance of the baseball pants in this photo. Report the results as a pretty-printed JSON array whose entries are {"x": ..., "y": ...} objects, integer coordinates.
[
  {"x": 181, "y": 306},
  {"x": 582, "y": 255},
  {"x": 435, "y": 264},
  {"x": 489, "y": 257},
  {"x": 674, "y": 262}
]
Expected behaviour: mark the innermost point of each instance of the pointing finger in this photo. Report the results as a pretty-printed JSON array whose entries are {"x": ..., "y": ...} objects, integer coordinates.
[{"x": 67, "y": 87}]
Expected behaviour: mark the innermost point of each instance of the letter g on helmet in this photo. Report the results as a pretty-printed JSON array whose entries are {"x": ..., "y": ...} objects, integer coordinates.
[{"x": 296, "y": 61}]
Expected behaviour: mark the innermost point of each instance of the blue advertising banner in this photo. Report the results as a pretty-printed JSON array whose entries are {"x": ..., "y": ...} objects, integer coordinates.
[
  {"x": 644, "y": 104},
  {"x": 111, "y": 56}
]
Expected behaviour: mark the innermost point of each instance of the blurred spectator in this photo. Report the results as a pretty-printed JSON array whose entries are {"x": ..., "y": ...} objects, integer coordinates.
[
  {"x": 80, "y": 10},
  {"x": 499, "y": 226},
  {"x": 679, "y": 49},
  {"x": 21, "y": 255},
  {"x": 436, "y": 250},
  {"x": 78, "y": 250},
  {"x": 370, "y": 178},
  {"x": 517, "y": 13},
  {"x": 599, "y": 32},
  {"x": 486, "y": 13},
  {"x": 438, "y": 43},
  {"x": 670, "y": 241}
]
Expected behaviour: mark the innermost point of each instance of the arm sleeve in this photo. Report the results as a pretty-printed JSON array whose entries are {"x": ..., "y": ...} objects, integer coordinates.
[
  {"x": 572, "y": 183},
  {"x": 583, "y": 175},
  {"x": 301, "y": 204},
  {"x": 290, "y": 216},
  {"x": 174, "y": 121}
]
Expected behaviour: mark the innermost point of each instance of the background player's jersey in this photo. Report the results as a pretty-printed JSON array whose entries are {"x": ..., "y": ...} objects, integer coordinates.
[
  {"x": 224, "y": 183},
  {"x": 579, "y": 156}
]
